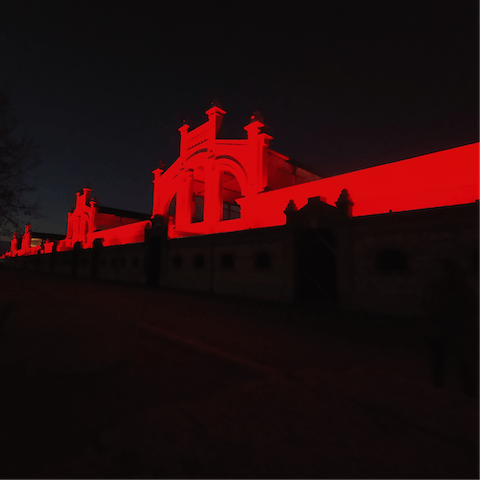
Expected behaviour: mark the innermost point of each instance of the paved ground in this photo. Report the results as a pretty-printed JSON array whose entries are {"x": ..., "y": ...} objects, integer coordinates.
[{"x": 110, "y": 381}]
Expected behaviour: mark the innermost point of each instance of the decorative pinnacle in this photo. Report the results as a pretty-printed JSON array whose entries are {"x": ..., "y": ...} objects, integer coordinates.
[
  {"x": 216, "y": 103},
  {"x": 256, "y": 117}
]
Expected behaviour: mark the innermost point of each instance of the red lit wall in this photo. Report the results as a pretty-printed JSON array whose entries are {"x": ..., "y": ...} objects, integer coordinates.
[
  {"x": 26, "y": 247},
  {"x": 123, "y": 235},
  {"x": 214, "y": 177},
  {"x": 107, "y": 220},
  {"x": 15, "y": 244},
  {"x": 86, "y": 224},
  {"x": 80, "y": 222},
  {"x": 265, "y": 181},
  {"x": 449, "y": 177}
]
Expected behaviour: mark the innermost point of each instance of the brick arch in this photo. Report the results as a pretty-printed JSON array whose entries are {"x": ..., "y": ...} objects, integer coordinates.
[
  {"x": 229, "y": 164},
  {"x": 224, "y": 162},
  {"x": 167, "y": 199}
]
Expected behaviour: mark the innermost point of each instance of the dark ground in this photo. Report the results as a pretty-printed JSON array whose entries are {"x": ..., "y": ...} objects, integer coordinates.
[{"x": 102, "y": 380}]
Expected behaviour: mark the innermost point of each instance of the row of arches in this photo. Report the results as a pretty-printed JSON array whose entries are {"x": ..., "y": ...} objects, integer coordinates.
[
  {"x": 202, "y": 189},
  {"x": 229, "y": 192}
]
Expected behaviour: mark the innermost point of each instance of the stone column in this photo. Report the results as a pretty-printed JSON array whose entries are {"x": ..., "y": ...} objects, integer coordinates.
[
  {"x": 157, "y": 174},
  {"x": 183, "y": 138},
  {"x": 258, "y": 142},
  {"x": 213, "y": 208},
  {"x": 215, "y": 117},
  {"x": 185, "y": 201}
]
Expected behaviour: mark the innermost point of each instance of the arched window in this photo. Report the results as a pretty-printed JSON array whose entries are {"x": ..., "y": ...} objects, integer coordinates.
[
  {"x": 263, "y": 260},
  {"x": 177, "y": 261},
  {"x": 231, "y": 210},
  {"x": 230, "y": 192},
  {"x": 391, "y": 260},
  {"x": 226, "y": 261},
  {"x": 198, "y": 190},
  {"x": 199, "y": 261},
  {"x": 198, "y": 208},
  {"x": 172, "y": 209}
]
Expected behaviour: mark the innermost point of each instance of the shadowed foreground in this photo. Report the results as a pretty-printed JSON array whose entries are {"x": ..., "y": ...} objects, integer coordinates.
[{"x": 102, "y": 380}]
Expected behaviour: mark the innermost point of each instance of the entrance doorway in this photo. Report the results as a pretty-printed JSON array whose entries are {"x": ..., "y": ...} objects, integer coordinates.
[{"x": 317, "y": 266}]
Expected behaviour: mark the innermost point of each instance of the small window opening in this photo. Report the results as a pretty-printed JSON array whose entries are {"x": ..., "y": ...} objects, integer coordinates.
[
  {"x": 172, "y": 209},
  {"x": 231, "y": 210},
  {"x": 226, "y": 261},
  {"x": 199, "y": 203},
  {"x": 263, "y": 260},
  {"x": 199, "y": 261},
  {"x": 391, "y": 260},
  {"x": 177, "y": 261}
]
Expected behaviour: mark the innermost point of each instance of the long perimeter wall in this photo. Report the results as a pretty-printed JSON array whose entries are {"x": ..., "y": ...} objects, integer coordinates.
[
  {"x": 385, "y": 264},
  {"x": 448, "y": 177}
]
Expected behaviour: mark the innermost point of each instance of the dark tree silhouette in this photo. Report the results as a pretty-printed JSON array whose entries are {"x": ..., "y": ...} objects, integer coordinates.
[{"x": 18, "y": 157}]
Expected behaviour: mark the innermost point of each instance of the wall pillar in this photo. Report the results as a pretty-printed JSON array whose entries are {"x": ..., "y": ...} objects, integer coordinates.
[
  {"x": 27, "y": 238},
  {"x": 258, "y": 142},
  {"x": 185, "y": 201},
  {"x": 215, "y": 117},
  {"x": 157, "y": 174},
  {"x": 69, "y": 225},
  {"x": 183, "y": 138},
  {"x": 213, "y": 208}
]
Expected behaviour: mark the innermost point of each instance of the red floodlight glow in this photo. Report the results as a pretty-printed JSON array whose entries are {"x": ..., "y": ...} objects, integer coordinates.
[
  {"x": 219, "y": 185},
  {"x": 266, "y": 181}
]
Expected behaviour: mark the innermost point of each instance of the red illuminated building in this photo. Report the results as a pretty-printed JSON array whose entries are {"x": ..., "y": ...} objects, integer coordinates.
[
  {"x": 219, "y": 185},
  {"x": 89, "y": 221},
  {"x": 237, "y": 217}
]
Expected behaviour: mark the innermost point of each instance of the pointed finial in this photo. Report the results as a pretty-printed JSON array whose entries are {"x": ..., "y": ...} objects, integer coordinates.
[
  {"x": 216, "y": 103},
  {"x": 256, "y": 117},
  {"x": 291, "y": 207}
]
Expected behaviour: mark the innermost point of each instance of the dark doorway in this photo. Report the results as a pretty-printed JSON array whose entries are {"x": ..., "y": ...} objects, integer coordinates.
[
  {"x": 97, "y": 246},
  {"x": 317, "y": 266},
  {"x": 153, "y": 260},
  {"x": 77, "y": 248}
]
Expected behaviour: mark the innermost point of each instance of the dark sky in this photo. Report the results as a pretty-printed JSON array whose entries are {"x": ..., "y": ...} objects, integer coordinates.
[{"x": 103, "y": 86}]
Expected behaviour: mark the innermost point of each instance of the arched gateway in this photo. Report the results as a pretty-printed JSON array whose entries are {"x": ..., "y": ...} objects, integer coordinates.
[{"x": 212, "y": 185}]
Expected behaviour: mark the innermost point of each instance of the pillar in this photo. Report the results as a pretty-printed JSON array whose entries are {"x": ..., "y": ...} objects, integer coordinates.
[
  {"x": 258, "y": 142},
  {"x": 185, "y": 201},
  {"x": 213, "y": 208}
]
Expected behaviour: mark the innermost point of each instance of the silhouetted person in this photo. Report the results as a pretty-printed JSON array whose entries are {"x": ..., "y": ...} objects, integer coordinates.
[{"x": 452, "y": 333}]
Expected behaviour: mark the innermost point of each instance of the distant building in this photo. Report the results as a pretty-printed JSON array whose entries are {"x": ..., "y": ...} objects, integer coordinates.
[{"x": 90, "y": 221}]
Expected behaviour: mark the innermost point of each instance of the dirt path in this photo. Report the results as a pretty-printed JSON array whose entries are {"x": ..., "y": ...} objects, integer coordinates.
[{"x": 217, "y": 388}]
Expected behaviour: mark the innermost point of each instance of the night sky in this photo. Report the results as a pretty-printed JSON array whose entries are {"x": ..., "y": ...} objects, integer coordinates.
[{"x": 102, "y": 87}]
